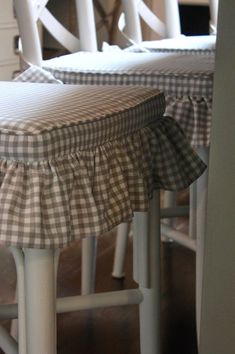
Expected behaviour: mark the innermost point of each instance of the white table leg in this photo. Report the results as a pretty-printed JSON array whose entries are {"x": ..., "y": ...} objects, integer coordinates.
[{"x": 40, "y": 301}]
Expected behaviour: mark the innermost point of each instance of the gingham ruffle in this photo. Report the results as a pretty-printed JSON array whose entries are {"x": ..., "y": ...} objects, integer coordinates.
[
  {"x": 186, "y": 80},
  {"x": 49, "y": 203}
]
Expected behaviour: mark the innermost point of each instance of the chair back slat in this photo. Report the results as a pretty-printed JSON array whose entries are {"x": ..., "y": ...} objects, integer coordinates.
[
  {"x": 171, "y": 28},
  {"x": 59, "y": 32},
  {"x": 30, "y": 12}
]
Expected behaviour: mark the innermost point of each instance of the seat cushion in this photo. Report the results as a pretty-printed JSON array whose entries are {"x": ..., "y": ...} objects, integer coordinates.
[
  {"x": 78, "y": 160},
  {"x": 186, "y": 80},
  {"x": 183, "y": 44}
]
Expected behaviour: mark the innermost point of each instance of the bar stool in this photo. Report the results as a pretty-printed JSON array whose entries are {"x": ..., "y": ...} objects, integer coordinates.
[{"x": 76, "y": 161}]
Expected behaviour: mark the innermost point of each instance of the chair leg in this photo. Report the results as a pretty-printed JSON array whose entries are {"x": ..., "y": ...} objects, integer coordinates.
[
  {"x": 89, "y": 246},
  {"x": 40, "y": 301},
  {"x": 8, "y": 343},
  {"x": 19, "y": 325},
  {"x": 201, "y": 184},
  {"x": 148, "y": 228},
  {"x": 120, "y": 250},
  {"x": 193, "y": 210},
  {"x": 169, "y": 201}
]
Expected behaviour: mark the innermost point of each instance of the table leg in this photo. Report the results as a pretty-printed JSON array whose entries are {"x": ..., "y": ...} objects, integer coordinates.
[{"x": 40, "y": 301}]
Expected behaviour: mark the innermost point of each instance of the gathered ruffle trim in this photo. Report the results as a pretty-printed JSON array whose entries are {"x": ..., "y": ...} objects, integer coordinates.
[
  {"x": 194, "y": 116},
  {"x": 50, "y": 204}
]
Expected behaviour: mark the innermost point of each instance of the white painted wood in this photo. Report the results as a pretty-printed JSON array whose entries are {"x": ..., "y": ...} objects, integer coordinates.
[
  {"x": 200, "y": 217},
  {"x": 89, "y": 246},
  {"x": 20, "y": 324},
  {"x": 214, "y": 4},
  {"x": 141, "y": 248},
  {"x": 40, "y": 301},
  {"x": 86, "y": 23},
  {"x": 218, "y": 300},
  {"x": 120, "y": 250},
  {"x": 99, "y": 300},
  {"x": 8, "y": 344},
  {"x": 132, "y": 20},
  {"x": 179, "y": 237},
  {"x": 150, "y": 306},
  {"x": 29, "y": 32},
  {"x": 172, "y": 18}
]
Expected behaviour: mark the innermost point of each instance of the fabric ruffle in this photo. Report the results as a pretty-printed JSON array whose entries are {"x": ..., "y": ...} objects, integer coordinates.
[
  {"x": 194, "y": 116},
  {"x": 49, "y": 204}
]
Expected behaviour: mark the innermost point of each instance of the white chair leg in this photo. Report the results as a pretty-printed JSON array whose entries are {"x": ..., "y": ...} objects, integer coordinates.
[
  {"x": 149, "y": 277},
  {"x": 169, "y": 201},
  {"x": 20, "y": 323},
  {"x": 201, "y": 218},
  {"x": 8, "y": 344},
  {"x": 120, "y": 250},
  {"x": 14, "y": 323},
  {"x": 40, "y": 301},
  {"x": 89, "y": 245},
  {"x": 193, "y": 210}
]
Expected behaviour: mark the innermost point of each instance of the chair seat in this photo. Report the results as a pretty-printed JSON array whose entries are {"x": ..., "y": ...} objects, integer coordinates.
[
  {"x": 186, "y": 80},
  {"x": 183, "y": 44},
  {"x": 69, "y": 156}
]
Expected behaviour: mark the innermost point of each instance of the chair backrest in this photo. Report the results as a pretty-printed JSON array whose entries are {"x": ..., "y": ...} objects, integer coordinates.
[
  {"x": 29, "y": 12},
  {"x": 136, "y": 9}
]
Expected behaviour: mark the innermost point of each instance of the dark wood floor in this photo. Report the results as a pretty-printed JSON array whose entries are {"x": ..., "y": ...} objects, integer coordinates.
[{"x": 115, "y": 330}]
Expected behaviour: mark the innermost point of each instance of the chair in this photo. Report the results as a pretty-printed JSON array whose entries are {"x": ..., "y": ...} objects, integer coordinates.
[
  {"x": 70, "y": 169},
  {"x": 190, "y": 76},
  {"x": 173, "y": 42},
  {"x": 29, "y": 14},
  {"x": 130, "y": 27}
]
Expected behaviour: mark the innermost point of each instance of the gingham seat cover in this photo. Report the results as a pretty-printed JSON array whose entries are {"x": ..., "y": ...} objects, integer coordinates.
[
  {"x": 76, "y": 161},
  {"x": 182, "y": 44},
  {"x": 186, "y": 80}
]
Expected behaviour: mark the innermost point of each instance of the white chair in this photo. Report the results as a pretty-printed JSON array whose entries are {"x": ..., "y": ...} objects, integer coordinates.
[
  {"x": 36, "y": 11},
  {"x": 29, "y": 14},
  {"x": 48, "y": 163},
  {"x": 146, "y": 69},
  {"x": 169, "y": 31},
  {"x": 130, "y": 26}
]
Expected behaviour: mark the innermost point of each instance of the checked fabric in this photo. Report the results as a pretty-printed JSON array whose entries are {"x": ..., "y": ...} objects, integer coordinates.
[
  {"x": 185, "y": 79},
  {"x": 78, "y": 160}
]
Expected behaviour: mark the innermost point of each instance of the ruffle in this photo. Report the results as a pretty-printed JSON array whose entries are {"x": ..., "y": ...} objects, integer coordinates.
[
  {"x": 193, "y": 115},
  {"x": 50, "y": 204}
]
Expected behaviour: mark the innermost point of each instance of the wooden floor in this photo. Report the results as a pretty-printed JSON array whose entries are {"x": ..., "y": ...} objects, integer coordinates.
[{"x": 115, "y": 330}]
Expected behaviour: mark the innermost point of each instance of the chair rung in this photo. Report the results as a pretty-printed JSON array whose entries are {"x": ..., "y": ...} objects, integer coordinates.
[
  {"x": 179, "y": 237},
  {"x": 92, "y": 301},
  {"x": 174, "y": 212}
]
